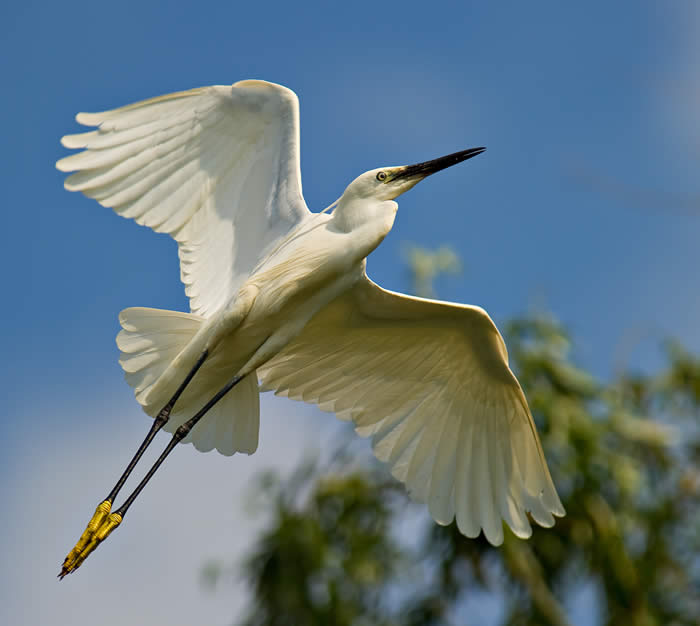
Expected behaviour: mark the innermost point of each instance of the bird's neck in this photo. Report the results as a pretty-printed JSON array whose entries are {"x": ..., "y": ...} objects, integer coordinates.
[
  {"x": 353, "y": 213},
  {"x": 367, "y": 222}
]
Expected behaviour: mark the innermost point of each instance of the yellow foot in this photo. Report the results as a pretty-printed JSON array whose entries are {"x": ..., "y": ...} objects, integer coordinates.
[{"x": 98, "y": 528}]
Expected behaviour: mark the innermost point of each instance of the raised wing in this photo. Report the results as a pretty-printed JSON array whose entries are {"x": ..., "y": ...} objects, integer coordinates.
[
  {"x": 217, "y": 168},
  {"x": 429, "y": 382}
]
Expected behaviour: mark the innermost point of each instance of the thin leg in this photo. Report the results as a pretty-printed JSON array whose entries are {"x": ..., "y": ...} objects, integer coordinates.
[
  {"x": 103, "y": 509},
  {"x": 113, "y": 520},
  {"x": 178, "y": 436},
  {"x": 158, "y": 423}
]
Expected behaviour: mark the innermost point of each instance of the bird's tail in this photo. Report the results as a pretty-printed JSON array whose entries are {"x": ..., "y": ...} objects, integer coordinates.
[{"x": 150, "y": 342}]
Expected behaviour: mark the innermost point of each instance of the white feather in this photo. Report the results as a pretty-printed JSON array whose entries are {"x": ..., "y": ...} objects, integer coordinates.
[
  {"x": 430, "y": 382},
  {"x": 199, "y": 165},
  {"x": 149, "y": 342}
]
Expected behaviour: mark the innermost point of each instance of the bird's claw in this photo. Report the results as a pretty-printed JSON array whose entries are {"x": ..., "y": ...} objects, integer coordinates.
[{"x": 99, "y": 527}]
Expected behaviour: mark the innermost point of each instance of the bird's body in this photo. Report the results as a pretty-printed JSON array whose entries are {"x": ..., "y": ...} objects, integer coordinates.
[
  {"x": 280, "y": 294},
  {"x": 308, "y": 268}
]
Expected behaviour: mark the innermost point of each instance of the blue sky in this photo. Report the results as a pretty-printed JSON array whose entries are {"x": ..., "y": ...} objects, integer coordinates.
[{"x": 586, "y": 204}]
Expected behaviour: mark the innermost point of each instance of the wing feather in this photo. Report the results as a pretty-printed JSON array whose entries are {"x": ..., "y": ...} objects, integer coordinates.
[
  {"x": 441, "y": 502},
  {"x": 464, "y": 482},
  {"x": 429, "y": 382},
  {"x": 216, "y": 168}
]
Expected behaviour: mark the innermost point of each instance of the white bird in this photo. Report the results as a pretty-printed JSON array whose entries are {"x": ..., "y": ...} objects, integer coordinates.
[{"x": 280, "y": 295}]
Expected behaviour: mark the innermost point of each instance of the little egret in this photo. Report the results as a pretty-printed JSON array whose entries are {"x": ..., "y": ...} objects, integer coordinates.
[{"x": 280, "y": 300}]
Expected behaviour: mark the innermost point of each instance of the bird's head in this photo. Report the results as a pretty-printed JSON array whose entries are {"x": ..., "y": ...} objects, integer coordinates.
[
  {"x": 370, "y": 197},
  {"x": 387, "y": 183}
]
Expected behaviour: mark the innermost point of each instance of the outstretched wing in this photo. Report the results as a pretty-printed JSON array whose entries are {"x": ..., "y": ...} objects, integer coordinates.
[
  {"x": 217, "y": 168},
  {"x": 429, "y": 382}
]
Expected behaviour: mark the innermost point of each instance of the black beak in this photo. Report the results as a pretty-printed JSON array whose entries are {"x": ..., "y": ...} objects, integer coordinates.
[{"x": 430, "y": 167}]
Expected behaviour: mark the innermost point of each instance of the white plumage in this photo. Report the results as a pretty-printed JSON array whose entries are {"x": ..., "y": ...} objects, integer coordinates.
[
  {"x": 429, "y": 382},
  {"x": 217, "y": 168},
  {"x": 281, "y": 294}
]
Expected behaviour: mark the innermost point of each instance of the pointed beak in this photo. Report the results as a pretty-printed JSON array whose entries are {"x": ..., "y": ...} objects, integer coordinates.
[{"x": 421, "y": 170}]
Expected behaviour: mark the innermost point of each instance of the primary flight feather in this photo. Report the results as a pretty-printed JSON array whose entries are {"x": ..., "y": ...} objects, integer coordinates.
[{"x": 280, "y": 295}]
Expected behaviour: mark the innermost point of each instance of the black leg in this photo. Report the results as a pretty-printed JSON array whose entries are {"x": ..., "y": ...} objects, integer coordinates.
[
  {"x": 158, "y": 423},
  {"x": 108, "y": 522},
  {"x": 102, "y": 514},
  {"x": 178, "y": 436}
]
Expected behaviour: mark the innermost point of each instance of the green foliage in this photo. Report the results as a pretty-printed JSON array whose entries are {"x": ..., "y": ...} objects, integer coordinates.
[
  {"x": 624, "y": 456},
  {"x": 426, "y": 265},
  {"x": 327, "y": 562}
]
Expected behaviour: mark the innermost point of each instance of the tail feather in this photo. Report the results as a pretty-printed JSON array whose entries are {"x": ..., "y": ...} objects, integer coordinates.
[
  {"x": 230, "y": 426},
  {"x": 149, "y": 342}
]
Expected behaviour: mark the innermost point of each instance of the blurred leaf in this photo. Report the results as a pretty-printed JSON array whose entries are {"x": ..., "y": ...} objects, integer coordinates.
[{"x": 426, "y": 265}]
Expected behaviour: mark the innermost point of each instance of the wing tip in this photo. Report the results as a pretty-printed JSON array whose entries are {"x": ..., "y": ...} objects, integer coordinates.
[
  {"x": 494, "y": 533},
  {"x": 559, "y": 511},
  {"x": 63, "y": 165},
  {"x": 90, "y": 119},
  {"x": 521, "y": 534},
  {"x": 285, "y": 93}
]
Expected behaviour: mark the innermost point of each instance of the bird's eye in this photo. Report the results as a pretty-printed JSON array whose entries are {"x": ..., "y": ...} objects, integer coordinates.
[{"x": 381, "y": 176}]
